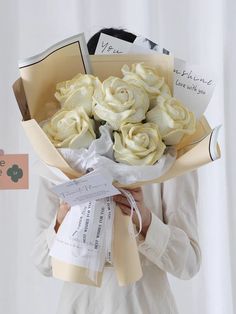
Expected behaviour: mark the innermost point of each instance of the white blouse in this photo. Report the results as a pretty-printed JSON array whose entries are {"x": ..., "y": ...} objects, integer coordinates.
[{"x": 171, "y": 245}]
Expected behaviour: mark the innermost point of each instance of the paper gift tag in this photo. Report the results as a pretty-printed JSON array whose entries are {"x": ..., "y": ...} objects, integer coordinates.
[
  {"x": 13, "y": 171},
  {"x": 90, "y": 187}
]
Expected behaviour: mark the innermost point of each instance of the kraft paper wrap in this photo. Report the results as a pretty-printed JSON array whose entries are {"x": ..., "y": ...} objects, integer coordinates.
[{"x": 37, "y": 87}]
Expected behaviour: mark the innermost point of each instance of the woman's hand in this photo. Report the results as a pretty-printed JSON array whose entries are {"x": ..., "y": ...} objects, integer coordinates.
[
  {"x": 61, "y": 214},
  {"x": 146, "y": 215}
]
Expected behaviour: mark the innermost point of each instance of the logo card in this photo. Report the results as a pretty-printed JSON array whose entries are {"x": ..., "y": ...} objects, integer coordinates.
[{"x": 14, "y": 172}]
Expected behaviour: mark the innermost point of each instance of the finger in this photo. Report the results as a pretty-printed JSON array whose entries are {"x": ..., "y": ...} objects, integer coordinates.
[
  {"x": 124, "y": 204},
  {"x": 125, "y": 209},
  {"x": 65, "y": 206},
  {"x": 137, "y": 195},
  {"x": 121, "y": 199}
]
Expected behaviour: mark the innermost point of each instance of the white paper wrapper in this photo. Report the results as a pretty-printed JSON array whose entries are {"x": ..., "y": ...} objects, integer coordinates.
[{"x": 99, "y": 156}]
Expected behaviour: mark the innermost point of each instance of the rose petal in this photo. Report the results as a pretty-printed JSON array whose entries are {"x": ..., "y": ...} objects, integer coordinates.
[
  {"x": 173, "y": 119},
  {"x": 138, "y": 144}
]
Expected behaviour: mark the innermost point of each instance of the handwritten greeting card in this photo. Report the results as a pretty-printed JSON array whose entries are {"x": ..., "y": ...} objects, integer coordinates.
[
  {"x": 192, "y": 85},
  {"x": 111, "y": 45}
]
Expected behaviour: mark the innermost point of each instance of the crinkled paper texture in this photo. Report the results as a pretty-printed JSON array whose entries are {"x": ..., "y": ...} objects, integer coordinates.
[{"x": 99, "y": 156}]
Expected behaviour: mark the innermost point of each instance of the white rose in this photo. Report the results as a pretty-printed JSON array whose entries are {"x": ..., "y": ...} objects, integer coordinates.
[
  {"x": 71, "y": 129},
  {"x": 121, "y": 103},
  {"x": 138, "y": 144},
  {"x": 78, "y": 92},
  {"x": 146, "y": 77},
  {"x": 173, "y": 119}
]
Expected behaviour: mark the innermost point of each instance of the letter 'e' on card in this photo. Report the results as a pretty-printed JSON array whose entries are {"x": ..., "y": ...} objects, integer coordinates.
[{"x": 14, "y": 173}]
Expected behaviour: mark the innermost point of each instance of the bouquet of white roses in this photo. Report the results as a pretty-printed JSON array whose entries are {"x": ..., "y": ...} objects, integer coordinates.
[
  {"x": 129, "y": 126},
  {"x": 132, "y": 120},
  {"x": 135, "y": 115}
]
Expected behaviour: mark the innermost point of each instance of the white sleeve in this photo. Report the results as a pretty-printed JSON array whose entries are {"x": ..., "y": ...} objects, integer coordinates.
[
  {"x": 46, "y": 212},
  {"x": 172, "y": 244}
]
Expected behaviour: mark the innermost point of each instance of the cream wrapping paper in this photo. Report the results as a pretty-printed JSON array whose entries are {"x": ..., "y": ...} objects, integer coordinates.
[{"x": 36, "y": 88}]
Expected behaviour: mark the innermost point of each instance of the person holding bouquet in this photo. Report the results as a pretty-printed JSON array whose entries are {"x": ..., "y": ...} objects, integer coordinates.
[{"x": 168, "y": 242}]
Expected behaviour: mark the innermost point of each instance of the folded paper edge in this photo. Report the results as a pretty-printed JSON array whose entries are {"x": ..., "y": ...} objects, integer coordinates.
[{"x": 72, "y": 273}]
